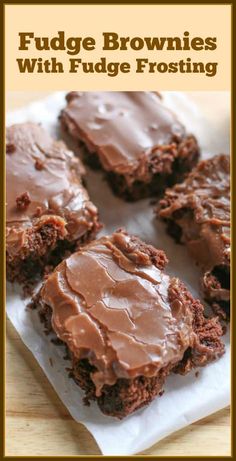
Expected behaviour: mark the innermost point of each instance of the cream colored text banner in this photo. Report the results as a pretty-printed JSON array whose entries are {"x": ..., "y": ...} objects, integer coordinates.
[{"x": 116, "y": 47}]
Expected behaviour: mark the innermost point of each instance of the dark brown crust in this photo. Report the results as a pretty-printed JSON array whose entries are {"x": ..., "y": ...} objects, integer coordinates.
[
  {"x": 216, "y": 280},
  {"x": 209, "y": 280},
  {"x": 124, "y": 397},
  {"x": 44, "y": 246},
  {"x": 166, "y": 169},
  {"x": 208, "y": 345},
  {"x": 23, "y": 201},
  {"x": 119, "y": 400},
  {"x": 46, "y": 213},
  {"x": 128, "y": 395},
  {"x": 178, "y": 212},
  {"x": 136, "y": 250}
]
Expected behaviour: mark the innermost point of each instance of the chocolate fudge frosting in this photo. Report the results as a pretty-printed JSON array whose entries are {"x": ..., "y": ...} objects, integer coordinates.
[
  {"x": 123, "y": 128},
  {"x": 112, "y": 305},
  {"x": 43, "y": 179},
  {"x": 200, "y": 206}
]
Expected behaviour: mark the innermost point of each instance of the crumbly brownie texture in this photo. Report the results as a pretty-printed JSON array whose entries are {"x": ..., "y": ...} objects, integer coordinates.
[
  {"x": 133, "y": 137},
  {"x": 197, "y": 213},
  {"x": 125, "y": 323},
  {"x": 48, "y": 209}
]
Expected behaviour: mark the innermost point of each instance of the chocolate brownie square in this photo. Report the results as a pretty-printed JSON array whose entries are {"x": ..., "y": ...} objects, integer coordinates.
[
  {"x": 139, "y": 143},
  {"x": 197, "y": 213},
  {"x": 48, "y": 209},
  {"x": 126, "y": 323}
]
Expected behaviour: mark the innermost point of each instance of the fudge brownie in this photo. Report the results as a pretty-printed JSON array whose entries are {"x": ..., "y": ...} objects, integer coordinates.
[
  {"x": 133, "y": 137},
  {"x": 48, "y": 209},
  {"x": 197, "y": 213},
  {"x": 126, "y": 324}
]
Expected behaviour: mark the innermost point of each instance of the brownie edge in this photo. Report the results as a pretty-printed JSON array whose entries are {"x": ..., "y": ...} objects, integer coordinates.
[
  {"x": 48, "y": 210},
  {"x": 133, "y": 137},
  {"x": 125, "y": 323},
  {"x": 197, "y": 213}
]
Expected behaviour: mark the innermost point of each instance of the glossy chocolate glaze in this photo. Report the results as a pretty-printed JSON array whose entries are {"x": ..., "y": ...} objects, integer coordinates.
[
  {"x": 113, "y": 304},
  {"x": 206, "y": 192},
  {"x": 200, "y": 206},
  {"x": 49, "y": 176},
  {"x": 123, "y": 128}
]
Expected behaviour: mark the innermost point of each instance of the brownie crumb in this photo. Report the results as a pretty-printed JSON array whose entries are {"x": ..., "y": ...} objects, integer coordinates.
[
  {"x": 86, "y": 402},
  {"x": 67, "y": 355},
  {"x": 10, "y": 148},
  {"x": 47, "y": 270},
  {"x": 38, "y": 212},
  {"x": 72, "y": 95},
  {"x": 39, "y": 165},
  {"x": 51, "y": 361},
  {"x": 197, "y": 374},
  {"x": 23, "y": 201},
  {"x": 31, "y": 305},
  {"x": 28, "y": 289},
  {"x": 161, "y": 393},
  {"x": 69, "y": 371},
  {"x": 56, "y": 341}
]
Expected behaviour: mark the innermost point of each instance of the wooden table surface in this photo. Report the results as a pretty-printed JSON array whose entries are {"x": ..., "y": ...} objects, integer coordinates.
[{"x": 38, "y": 424}]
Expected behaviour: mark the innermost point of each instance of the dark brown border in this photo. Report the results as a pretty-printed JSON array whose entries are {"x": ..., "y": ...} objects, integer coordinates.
[{"x": 2, "y": 222}]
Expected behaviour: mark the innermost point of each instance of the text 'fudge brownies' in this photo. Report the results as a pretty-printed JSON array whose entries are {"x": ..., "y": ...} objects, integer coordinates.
[
  {"x": 48, "y": 209},
  {"x": 126, "y": 324},
  {"x": 133, "y": 137},
  {"x": 198, "y": 214}
]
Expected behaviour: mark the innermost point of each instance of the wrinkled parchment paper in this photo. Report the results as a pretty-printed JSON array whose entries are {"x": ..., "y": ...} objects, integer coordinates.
[{"x": 186, "y": 399}]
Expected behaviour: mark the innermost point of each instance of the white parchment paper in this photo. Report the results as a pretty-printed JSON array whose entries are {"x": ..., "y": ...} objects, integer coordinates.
[{"x": 186, "y": 399}]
